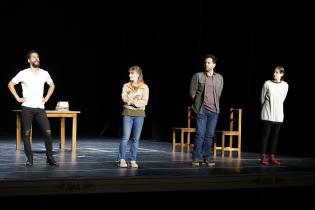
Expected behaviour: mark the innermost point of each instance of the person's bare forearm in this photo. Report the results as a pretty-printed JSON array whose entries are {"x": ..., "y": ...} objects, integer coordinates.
[
  {"x": 14, "y": 93},
  {"x": 49, "y": 92}
]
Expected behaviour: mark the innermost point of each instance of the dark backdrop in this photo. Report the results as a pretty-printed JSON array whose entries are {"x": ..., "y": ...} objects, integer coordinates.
[{"x": 88, "y": 48}]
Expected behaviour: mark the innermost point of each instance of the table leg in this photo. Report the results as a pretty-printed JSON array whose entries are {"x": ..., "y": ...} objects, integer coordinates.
[
  {"x": 74, "y": 133},
  {"x": 174, "y": 140},
  {"x": 18, "y": 131},
  {"x": 62, "y": 132},
  {"x": 182, "y": 137}
]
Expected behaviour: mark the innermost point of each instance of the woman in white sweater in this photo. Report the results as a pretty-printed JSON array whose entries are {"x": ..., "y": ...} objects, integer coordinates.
[{"x": 273, "y": 94}]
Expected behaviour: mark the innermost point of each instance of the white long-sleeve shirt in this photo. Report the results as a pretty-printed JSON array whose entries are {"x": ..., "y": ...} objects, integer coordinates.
[{"x": 272, "y": 99}]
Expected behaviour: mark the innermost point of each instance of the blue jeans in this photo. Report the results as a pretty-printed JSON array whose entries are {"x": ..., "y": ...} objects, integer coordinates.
[
  {"x": 205, "y": 127},
  {"x": 131, "y": 125}
]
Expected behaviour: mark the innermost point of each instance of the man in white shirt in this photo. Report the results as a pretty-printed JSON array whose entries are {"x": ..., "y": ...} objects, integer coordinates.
[{"x": 33, "y": 80}]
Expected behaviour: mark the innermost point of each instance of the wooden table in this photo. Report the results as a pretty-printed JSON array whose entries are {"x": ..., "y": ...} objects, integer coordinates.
[{"x": 52, "y": 113}]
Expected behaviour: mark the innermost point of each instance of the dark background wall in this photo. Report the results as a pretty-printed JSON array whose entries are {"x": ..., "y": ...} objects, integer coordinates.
[{"x": 88, "y": 47}]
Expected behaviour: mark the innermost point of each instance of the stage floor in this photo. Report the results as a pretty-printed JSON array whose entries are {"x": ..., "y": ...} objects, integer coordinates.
[{"x": 93, "y": 169}]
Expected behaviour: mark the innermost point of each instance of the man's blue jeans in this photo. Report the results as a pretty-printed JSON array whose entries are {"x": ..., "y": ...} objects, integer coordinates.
[
  {"x": 205, "y": 127},
  {"x": 131, "y": 126}
]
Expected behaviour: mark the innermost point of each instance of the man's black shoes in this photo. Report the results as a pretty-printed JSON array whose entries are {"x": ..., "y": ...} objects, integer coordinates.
[{"x": 51, "y": 161}]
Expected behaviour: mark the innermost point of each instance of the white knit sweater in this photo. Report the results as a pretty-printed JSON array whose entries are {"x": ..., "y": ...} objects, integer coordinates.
[{"x": 272, "y": 99}]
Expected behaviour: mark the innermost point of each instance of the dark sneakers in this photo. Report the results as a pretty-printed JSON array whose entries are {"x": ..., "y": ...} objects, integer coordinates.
[
  {"x": 209, "y": 162},
  {"x": 51, "y": 161},
  {"x": 195, "y": 163},
  {"x": 29, "y": 163},
  {"x": 205, "y": 162}
]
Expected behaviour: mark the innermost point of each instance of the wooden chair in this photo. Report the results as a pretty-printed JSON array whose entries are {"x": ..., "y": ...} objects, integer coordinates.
[
  {"x": 235, "y": 132},
  {"x": 184, "y": 132}
]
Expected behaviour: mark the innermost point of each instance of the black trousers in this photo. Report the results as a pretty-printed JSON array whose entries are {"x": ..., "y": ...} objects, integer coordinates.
[
  {"x": 28, "y": 114},
  {"x": 270, "y": 132}
]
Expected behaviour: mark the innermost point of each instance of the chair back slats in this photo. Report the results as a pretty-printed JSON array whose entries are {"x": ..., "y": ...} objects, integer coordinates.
[{"x": 235, "y": 129}]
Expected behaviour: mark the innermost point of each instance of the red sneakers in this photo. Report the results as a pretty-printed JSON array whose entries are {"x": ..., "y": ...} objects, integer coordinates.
[
  {"x": 273, "y": 161},
  {"x": 264, "y": 160}
]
